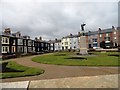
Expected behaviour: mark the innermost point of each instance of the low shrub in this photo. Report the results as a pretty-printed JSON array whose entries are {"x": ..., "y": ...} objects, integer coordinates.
[
  {"x": 114, "y": 55},
  {"x": 91, "y": 50}
]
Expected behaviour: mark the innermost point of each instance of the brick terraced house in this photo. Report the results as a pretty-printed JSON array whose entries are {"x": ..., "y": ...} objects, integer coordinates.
[{"x": 108, "y": 37}]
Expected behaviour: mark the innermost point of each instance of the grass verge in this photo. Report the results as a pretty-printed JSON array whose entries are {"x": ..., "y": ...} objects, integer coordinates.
[
  {"x": 15, "y": 70},
  {"x": 65, "y": 58}
]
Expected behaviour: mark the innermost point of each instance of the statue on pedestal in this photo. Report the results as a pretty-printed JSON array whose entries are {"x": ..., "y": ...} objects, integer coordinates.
[
  {"x": 82, "y": 29},
  {"x": 83, "y": 45},
  {"x": 82, "y": 26}
]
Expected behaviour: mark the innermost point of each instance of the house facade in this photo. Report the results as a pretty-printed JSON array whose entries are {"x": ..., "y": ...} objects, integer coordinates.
[
  {"x": 15, "y": 43},
  {"x": 40, "y": 45},
  {"x": 6, "y": 43},
  {"x": 71, "y": 42},
  {"x": 51, "y": 45},
  {"x": 58, "y": 45},
  {"x": 108, "y": 37}
]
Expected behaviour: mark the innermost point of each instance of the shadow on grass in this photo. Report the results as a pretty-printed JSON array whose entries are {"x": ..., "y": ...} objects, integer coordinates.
[
  {"x": 78, "y": 58},
  {"x": 60, "y": 55},
  {"x": 10, "y": 70},
  {"x": 116, "y": 55}
]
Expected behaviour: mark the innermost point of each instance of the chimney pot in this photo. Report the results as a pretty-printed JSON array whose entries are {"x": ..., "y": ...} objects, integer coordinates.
[{"x": 113, "y": 27}]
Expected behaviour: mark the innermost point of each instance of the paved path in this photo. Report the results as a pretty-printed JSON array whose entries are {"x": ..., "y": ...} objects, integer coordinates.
[
  {"x": 58, "y": 71},
  {"x": 100, "y": 81}
]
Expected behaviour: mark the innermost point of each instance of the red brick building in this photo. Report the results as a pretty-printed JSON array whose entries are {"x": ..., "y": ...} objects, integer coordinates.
[{"x": 109, "y": 37}]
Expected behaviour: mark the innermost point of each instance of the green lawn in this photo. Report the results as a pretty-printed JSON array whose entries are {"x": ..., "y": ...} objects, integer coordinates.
[
  {"x": 63, "y": 58},
  {"x": 15, "y": 70}
]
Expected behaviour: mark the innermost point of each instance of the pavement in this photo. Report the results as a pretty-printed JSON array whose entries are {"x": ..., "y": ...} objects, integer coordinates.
[
  {"x": 100, "y": 81},
  {"x": 15, "y": 85}
]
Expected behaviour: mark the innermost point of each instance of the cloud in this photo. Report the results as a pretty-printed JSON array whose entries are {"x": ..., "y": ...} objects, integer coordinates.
[{"x": 55, "y": 20}]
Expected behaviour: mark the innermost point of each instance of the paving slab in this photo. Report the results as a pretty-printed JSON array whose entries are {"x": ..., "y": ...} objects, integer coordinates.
[
  {"x": 101, "y": 81},
  {"x": 12, "y": 85}
]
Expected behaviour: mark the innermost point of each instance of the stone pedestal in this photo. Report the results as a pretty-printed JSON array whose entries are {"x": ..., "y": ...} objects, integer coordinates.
[{"x": 83, "y": 45}]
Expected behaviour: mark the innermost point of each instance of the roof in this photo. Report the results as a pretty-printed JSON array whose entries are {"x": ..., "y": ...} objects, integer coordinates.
[
  {"x": 72, "y": 36},
  {"x": 109, "y": 30},
  {"x": 106, "y": 30},
  {"x": 56, "y": 41},
  {"x": 51, "y": 41},
  {"x": 4, "y": 34}
]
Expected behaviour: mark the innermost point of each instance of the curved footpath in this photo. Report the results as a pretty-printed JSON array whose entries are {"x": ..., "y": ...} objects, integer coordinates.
[{"x": 58, "y": 71}]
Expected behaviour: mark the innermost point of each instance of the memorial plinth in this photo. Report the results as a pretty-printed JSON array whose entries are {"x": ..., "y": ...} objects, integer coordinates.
[{"x": 83, "y": 45}]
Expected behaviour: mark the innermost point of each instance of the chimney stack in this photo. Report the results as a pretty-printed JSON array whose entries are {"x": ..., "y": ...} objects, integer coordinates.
[
  {"x": 55, "y": 39},
  {"x": 78, "y": 33},
  {"x": 36, "y": 39},
  {"x": 70, "y": 34},
  {"x": 18, "y": 34},
  {"x": 40, "y": 38},
  {"x": 7, "y": 31},
  {"x": 28, "y": 37}
]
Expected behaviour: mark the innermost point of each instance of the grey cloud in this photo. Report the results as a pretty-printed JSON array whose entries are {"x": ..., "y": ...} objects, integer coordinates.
[{"x": 55, "y": 20}]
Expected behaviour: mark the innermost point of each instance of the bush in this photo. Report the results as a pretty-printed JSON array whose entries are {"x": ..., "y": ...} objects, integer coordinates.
[
  {"x": 91, "y": 50},
  {"x": 114, "y": 55}
]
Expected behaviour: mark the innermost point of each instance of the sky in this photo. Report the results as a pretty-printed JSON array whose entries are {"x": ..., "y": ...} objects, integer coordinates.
[{"x": 56, "y": 19}]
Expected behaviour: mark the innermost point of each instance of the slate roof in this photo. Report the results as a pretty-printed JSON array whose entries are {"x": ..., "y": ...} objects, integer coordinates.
[{"x": 72, "y": 36}]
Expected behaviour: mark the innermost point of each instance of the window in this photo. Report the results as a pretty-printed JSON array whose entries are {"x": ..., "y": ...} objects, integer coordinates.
[
  {"x": 42, "y": 45},
  {"x": 25, "y": 42},
  {"x": 3, "y": 40},
  {"x": 94, "y": 40},
  {"x": 3, "y": 49},
  {"x": 114, "y": 37},
  {"x": 107, "y": 38},
  {"x": 6, "y": 41},
  {"x": 6, "y": 49},
  {"x": 114, "y": 32},
  {"x": 29, "y": 43},
  {"x": 106, "y": 34},
  {"x": 66, "y": 43},
  {"x": 14, "y": 42},
  {"x": 95, "y": 45},
  {"x": 13, "y": 49},
  {"x": 100, "y": 35},
  {"x": 20, "y": 41}
]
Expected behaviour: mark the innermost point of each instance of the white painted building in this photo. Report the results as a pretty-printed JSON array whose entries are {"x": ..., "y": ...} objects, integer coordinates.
[
  {"x": 71, "y": 42},
  {"x": 58, "y": 45}
]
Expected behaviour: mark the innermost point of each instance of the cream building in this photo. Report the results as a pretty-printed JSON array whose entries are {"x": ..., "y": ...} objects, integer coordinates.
[{"x": 71, "y": 42}]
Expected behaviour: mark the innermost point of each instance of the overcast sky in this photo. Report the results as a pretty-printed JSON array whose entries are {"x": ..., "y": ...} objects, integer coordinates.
[{"x": 57, "y": 19}]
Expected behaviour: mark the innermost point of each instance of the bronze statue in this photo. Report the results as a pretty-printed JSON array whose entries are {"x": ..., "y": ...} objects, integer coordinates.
[{"x": 82, "y": 26}]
